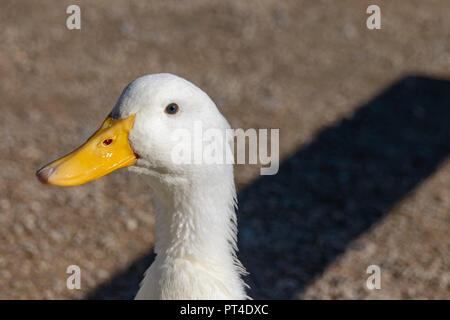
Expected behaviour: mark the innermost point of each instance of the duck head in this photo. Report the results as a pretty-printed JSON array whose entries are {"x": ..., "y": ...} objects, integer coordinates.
[{"x": 139, "y": 132}]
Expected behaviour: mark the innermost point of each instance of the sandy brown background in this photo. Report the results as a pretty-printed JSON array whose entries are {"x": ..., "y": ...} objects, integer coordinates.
[{"x": 306, "y": 67}]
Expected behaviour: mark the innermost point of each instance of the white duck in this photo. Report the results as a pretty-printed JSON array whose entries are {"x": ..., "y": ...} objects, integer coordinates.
[{"x": 195, "y": 216}]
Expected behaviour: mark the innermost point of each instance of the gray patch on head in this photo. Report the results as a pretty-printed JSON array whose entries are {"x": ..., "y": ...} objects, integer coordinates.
[{"x": 115, "y": 113}]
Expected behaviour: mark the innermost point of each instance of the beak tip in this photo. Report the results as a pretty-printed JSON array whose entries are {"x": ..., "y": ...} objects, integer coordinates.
[{"x": 44, "y": 174}]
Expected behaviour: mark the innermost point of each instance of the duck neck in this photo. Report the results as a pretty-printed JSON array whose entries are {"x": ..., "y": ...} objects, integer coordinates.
[{"x": 196, "y": 223}]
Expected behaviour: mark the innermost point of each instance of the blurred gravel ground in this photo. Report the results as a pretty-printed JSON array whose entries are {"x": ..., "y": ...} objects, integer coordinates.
[{"x": 301, "y": 66}]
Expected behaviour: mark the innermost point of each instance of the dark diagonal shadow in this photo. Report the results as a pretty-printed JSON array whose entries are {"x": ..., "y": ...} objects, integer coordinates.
[{"x": 293, "y": 224}]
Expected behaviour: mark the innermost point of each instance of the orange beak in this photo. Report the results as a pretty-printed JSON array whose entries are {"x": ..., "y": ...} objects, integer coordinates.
[{"x": 107, "y": 150}]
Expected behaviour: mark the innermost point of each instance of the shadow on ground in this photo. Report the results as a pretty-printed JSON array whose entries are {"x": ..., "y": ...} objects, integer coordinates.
[{"x": 293, "y": 224}]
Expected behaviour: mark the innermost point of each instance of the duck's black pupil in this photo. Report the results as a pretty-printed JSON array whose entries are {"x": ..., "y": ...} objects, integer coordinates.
[{"x": 172, "y": 108}]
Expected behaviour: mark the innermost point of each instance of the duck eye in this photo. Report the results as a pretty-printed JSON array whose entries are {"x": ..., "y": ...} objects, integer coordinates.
[
  {"x": 107, "y": 142},
  {"x": 172, "y": 108}
]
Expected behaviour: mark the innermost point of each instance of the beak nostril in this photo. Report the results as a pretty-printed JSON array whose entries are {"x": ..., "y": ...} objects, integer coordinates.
[{"x": 107, "y": 142}]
